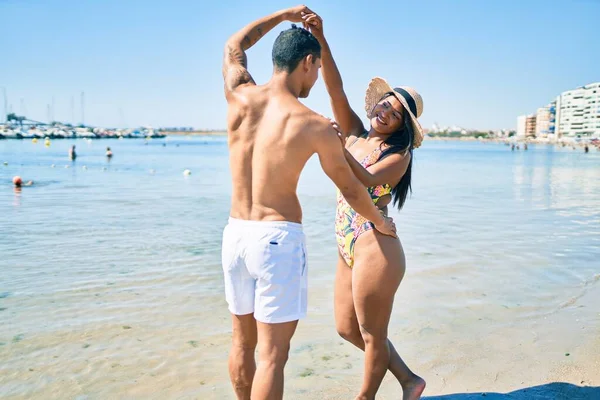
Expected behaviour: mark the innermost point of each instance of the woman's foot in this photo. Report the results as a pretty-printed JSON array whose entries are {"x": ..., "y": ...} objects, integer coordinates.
[{"x": 413, "y": 389}]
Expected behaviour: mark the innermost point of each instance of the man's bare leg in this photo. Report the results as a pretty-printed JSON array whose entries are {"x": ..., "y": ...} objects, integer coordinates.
[
  {"x": 273, "y": 348},
  {"x": 241, "y": 358}
]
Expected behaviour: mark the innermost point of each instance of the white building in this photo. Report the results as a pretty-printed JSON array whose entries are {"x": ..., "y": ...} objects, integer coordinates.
[
  {"x": 521, "y": 125},
  {"x": 526, "y": 126},
  {"x": 578, "y": 112}
]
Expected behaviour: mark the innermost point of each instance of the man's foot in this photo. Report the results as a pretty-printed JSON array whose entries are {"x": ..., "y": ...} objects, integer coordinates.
[{"x": 413, "y": 389}]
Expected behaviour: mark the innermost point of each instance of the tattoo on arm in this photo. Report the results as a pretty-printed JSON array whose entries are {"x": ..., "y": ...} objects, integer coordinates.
[
  {"x": 246, "y": 41},
  {"x": 234, "y": 68},
  {"x": 236, "y": 77},
  {"x": 236, "y": 62},
  {"x": 237, "y": 56},
  {"x": 252, "y": 37}
]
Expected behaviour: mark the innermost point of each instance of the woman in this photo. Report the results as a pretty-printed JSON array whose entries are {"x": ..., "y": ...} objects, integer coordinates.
[{"x": 371, "y": 265}]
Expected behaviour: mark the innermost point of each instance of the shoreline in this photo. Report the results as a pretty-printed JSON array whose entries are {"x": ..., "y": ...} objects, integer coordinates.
[
  {"x": 194, "y": 133},
  {"x": 519, "y": 142},
  {"x": 55, "y": 137},
  {"x": 221, "y": 133}
]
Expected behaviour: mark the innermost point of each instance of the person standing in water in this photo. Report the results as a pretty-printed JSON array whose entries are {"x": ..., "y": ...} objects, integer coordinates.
[{"x": 72, "y": 153}]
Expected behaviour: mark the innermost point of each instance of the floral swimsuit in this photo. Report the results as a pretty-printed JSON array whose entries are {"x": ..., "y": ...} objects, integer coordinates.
[{"x": 349, "y": 225}]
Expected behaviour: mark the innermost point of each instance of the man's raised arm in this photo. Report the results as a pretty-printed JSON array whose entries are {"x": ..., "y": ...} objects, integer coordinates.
[{"x": 235, "y": 62}]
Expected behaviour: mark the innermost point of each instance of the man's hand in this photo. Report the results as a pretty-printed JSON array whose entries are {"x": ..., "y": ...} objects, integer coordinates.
[
  {"x": 314, "y": 23},
  {"x": 387, "y": 227},
  {"x": 296, "y": 14}
]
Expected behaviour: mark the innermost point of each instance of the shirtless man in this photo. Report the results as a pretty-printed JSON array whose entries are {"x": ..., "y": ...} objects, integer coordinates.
[{"x": 271, "y": 136}]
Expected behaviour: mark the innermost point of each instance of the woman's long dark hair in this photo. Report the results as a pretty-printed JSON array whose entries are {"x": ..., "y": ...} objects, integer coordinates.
[{"x": 401, "y": 141}]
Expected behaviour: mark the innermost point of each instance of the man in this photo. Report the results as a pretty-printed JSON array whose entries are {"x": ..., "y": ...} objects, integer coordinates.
[{"x": 271, "y": 136}]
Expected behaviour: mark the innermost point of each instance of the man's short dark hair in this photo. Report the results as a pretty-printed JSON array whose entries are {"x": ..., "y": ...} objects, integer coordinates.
[{"x": 291, "y": 46}]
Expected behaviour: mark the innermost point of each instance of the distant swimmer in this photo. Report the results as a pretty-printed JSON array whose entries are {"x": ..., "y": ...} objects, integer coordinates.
[
  {"x": 109, "y": 153},
  {"x": 586, "y": 149},
  {"x": 18, "y": 182},
  {"x": 72, "y": 153}
]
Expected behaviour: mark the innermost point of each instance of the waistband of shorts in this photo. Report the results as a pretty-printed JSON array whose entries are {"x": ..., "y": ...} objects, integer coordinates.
[{"x": 284, "y": 225}]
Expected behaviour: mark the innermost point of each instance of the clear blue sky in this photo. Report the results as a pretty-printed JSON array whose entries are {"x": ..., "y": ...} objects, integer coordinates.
[{"x": 477, "y": 63}]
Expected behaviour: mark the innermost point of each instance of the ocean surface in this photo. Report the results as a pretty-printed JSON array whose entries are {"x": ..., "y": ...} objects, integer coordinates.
[{"x": 111, "y": 285}]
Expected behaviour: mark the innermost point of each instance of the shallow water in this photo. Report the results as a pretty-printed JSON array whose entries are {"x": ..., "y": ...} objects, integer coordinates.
[{"x": 111, "y": 286}]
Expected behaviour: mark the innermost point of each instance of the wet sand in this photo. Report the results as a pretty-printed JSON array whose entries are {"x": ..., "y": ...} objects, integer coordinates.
[{"x": 136, "y": 351}]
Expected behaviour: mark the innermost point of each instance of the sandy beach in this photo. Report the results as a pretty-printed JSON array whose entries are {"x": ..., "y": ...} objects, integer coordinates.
[{"x": 497, "y": 350}]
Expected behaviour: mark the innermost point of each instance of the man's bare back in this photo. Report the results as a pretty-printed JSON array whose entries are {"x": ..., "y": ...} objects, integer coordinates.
[{"x": 271, "y": 137}]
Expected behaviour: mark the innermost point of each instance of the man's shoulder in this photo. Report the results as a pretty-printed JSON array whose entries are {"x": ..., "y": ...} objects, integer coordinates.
[
  {"x": 316, "y": 130},
  {"x": 311, "y": 119},
  {"x": 245, "y": 95}
]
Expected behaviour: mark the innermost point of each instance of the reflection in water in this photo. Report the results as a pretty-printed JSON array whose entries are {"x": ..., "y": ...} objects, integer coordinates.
[
  {"x": 556, "y": 179},
  {"x": 17, "y": 197}
]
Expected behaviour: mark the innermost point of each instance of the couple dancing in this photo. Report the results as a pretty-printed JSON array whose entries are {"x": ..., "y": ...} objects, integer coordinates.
[{"x": 271, "y": 136}]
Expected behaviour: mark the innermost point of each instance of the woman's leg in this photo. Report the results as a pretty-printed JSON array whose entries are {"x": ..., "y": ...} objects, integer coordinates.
[
  {"x": 378, "y": 270},
  {"x": 348, "y": 328},
  {"x": 345, "y": 316}
]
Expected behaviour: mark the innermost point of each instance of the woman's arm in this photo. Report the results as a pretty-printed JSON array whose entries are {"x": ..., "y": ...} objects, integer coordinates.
[
  {"x": 349, "y": 122},
  {"x": 388, "y": 170}
]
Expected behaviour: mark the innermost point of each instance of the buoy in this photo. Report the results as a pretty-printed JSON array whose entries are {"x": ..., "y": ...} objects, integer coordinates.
[
  {"x": 187, "y": 172},
  {"x": 34, "y": 140}
]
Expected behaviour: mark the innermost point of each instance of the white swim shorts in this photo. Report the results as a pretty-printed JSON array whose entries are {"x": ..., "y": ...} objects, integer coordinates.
[{"x": 264, "y": 263}]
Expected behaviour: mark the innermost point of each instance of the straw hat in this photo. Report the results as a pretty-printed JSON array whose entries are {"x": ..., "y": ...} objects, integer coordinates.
[{"x": 410, "y": 99}]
